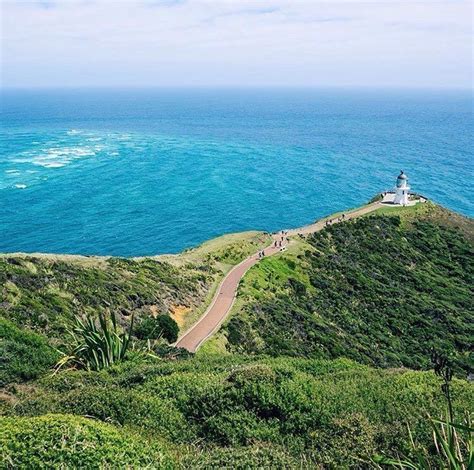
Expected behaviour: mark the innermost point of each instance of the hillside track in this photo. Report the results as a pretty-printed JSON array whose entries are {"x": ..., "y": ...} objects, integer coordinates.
[{"x": 225, "y": 295}]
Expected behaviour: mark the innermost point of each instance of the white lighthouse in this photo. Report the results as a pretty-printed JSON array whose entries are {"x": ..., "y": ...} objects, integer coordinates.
[{"x": 401, "y": 190}]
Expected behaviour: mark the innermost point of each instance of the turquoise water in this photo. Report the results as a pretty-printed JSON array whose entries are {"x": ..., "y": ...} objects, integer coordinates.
[{"x": 142, "y": 172}]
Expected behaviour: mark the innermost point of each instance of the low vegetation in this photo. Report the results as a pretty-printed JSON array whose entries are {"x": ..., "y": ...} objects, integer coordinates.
[
  {"x": 96, "y": 344},
  {"x": 47, "y": 292},
  {"x": 283, "y": 410},
  {"x": 313, "y": 369},
  {"x": 66, "y": 441},
  {"x": 24, "y": 355},
  {"x": 453, "y": 441},
  {"x": 382, "y": 290},
  {"x": 158, "y": 327}
]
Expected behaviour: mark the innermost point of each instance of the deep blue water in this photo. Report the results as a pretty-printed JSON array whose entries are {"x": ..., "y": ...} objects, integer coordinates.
[{"x": 141, "y": 172}]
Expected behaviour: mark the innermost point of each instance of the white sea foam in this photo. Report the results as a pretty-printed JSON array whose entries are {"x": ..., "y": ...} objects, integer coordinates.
[
  {"x": 73, "y": 132},
  {"x": 13, "y": 172},
  {"x": 57, "y": 157},
  {"x": 20, "y": 186},
  {"x": 52, "y": 164}
]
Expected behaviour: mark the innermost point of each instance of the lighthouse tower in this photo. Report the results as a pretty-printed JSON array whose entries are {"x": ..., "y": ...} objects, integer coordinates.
[{"x": 402, "y": 189}]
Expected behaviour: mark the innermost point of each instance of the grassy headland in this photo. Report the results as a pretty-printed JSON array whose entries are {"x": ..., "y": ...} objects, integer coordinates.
[
  {"x": 44, "y": 292},
  {"x": 383, "y": 290},
  {"x": 311, "y": 370}
]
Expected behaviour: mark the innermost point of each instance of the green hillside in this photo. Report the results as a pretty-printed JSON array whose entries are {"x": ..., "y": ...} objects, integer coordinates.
[
  {"x": 382, "y": 290},
  {"x": 318, "y": 366},
  {"x": 45, "y": 292}
]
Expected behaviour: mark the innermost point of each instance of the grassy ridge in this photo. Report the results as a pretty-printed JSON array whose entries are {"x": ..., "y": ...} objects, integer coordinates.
[
  {"x": 45, "y": 295},
  {"x": 382, "y": 290},
  {"x": 45, "y": 292}
]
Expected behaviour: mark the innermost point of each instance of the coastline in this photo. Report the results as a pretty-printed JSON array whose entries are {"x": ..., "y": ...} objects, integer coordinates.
[
  {"x": 215, "y": 259},
  {"x": 169, "y": 257},
  {"x": 184, "y": 255}
]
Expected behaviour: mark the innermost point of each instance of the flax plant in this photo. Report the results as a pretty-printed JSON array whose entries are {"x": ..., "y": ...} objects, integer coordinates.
[
  {"x": 453, "y": 442},
  {"x": 96, "y": 344}
]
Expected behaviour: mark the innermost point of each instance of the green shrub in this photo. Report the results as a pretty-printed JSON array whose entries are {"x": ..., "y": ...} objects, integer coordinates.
[
  {"x": 453, "y": 441},
  {"x": 327, "y": 413},
  {"x": 65, "y": 441},
  {"x": 253, "y": 373},
  {"x": 252, "y": 457},
  {"x": 113, "y": 405},
  {"x": 24, "y": 355},
  {"x": 71, "y": 379},
  {"x": 163, "y": 326},
  {"x": 346, "y": 441}
]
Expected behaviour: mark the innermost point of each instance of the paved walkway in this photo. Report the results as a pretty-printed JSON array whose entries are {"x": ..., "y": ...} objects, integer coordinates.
[
  {"x": 226, "y": 293},
  {"x": 317, "y": 226}
]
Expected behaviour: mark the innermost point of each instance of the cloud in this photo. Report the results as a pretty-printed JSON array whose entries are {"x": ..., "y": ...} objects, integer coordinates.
[
  {"x": 41, "y": 4},
  {"x": 245, "y": 42},
  {"x": 239, "y": 12},
  {"x": 251, "y": 11},
  {"x": 163, "y": 3}
]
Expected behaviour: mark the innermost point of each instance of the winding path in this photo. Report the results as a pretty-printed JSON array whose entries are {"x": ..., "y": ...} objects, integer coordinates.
[{"x": 225, "y": 296}]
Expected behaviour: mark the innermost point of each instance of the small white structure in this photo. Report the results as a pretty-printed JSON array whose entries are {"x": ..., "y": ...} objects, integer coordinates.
[
  {"x": 400, "y": 195},
  {"x": 401, "y": 190}
]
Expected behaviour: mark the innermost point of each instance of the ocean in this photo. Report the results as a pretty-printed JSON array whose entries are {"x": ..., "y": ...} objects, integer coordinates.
[{"x": 145, "y": 172}]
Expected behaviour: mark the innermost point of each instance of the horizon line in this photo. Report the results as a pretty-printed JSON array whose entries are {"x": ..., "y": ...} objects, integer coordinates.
[{"x": 236, "y": 87}]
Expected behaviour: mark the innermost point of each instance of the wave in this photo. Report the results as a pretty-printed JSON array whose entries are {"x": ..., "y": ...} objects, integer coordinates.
[
  {"x": 50, "y": 164},
  {"x": 73, "y": 144},
  {"x": 20, "y": 186},
  {"x": 56, "y": 157}
]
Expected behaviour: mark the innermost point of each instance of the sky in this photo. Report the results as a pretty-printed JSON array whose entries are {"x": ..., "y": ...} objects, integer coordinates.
[{"x": 227, "y": 43}]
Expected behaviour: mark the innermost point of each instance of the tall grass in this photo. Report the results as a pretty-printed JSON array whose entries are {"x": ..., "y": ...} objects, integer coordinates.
[
  {"x": 453, "y": 442},
  {"x": 96, "y": 344}
]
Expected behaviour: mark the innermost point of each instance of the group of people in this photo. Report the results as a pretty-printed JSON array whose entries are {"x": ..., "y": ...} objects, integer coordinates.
[
  {"x": 283, "y": 236},
  {"x": 277, "y": 243},
  {"x": 333, "y": 221}
]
